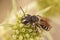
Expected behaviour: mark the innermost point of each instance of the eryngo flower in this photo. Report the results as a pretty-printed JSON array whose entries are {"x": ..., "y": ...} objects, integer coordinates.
[{"x": 25, "y": 32}]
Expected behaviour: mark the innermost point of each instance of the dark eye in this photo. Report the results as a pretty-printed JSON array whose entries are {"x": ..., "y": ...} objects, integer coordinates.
[
  {"x": 26, "y": 19},
  {"x": 25, "y": 22}
]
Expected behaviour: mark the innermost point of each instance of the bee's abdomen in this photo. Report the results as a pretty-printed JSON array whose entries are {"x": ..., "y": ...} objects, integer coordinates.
[{"x": 44, "y": 25}]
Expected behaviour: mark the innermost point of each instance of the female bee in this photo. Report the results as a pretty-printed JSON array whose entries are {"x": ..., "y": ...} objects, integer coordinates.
[{"x": 37, "y": 21}]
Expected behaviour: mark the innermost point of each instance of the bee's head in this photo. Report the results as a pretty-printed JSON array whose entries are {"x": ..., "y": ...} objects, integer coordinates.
[{"x": 26, "y": 19}]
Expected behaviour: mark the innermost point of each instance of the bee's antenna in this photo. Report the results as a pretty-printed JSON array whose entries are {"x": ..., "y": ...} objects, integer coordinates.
[{"x": 22, "y": 10}]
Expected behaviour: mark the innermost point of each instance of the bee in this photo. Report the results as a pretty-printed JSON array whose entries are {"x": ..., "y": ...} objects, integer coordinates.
[{"x": 37, "y": 21}]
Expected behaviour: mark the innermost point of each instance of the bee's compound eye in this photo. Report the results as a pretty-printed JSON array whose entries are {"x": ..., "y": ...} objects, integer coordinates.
[
  {"x": 25, "y": 22},
  {"x": 26, "y": 19}
]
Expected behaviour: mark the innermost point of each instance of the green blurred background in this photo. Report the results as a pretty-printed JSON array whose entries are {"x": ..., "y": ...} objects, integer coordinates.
[{"x": 53, "y": 14}]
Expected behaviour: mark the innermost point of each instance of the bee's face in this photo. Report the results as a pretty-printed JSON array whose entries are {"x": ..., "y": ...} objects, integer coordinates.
[{"x": 26, "y": 19}]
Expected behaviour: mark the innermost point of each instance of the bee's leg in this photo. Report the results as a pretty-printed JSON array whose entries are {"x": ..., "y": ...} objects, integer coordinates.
[{"x": 35, "y": 27}]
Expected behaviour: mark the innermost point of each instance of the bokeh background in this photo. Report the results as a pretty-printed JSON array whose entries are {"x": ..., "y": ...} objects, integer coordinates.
[{"x": 6, "y": 8}]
